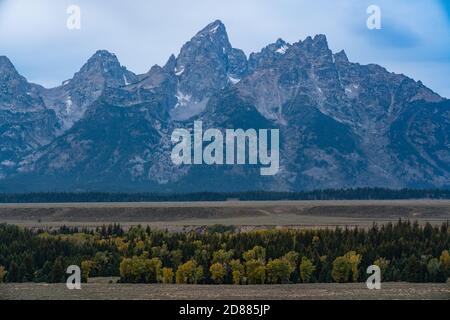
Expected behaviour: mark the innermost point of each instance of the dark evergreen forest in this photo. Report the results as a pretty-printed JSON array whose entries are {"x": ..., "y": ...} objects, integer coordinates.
[{"x": 404, "y": 251}]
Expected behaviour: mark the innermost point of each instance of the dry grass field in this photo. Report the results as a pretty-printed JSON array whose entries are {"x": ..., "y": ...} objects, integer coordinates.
[
  {"x": 184, "y": 216},
  {"x": 100, "y": 289}
]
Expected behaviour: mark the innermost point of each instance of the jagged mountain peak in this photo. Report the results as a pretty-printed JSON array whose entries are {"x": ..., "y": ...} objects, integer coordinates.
[
  {"x": 269, "y": 54},
  {"x": 280, "y": 42},
  {"x": 214, "y": 28},
  {"x": 214, "y": 35},
  {"x": 317, "y": 39},
  {"x": 320, "y": 39},
  {"x": 316, "y": 45},
  {"x": 170, "y": 64},
  {"x": 16, "y": 93},
  {"x": 341, "y": 57},
  {"x": 71, "y": 100},
  {"x": 104, "y": 54},
  {"x": 7, "y": 69},
  {"x": 101, "y": 62},
  {"x": 206, "y": 64},
  {"x": 5, "y": 62},
  {"x": 279, "y": 47},
  {"x": 103, "y": 69}
]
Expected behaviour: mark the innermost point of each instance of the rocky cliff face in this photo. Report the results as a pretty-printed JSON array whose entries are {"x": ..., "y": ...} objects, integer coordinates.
[
  {"x": 71, "y": 100},
  {"x": 341, "y": 124},
  {"x": 25, "y": 122}
]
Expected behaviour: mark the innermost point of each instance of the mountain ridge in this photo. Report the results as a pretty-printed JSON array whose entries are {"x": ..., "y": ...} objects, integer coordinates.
[{"x": 342, "y": 124}]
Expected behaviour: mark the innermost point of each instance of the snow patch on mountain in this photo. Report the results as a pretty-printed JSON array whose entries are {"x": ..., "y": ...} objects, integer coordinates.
[
  {"x": 183, "y": 99},
  {"x": 179, "y": 72},
  {"x": 69, "y": 104},
  {"x": 282, "y": 49},
  {"x": 125, "y": 80},
  {"x": 234, "y": 80}
]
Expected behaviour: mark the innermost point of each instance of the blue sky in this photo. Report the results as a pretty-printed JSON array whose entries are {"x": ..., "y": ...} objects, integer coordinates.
[{"x": 414, "y": 39}]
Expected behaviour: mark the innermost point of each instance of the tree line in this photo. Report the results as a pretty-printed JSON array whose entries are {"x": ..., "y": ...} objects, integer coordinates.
[
  {"x": 328, "y": 194},
  {"x": 404, "y": 251}
]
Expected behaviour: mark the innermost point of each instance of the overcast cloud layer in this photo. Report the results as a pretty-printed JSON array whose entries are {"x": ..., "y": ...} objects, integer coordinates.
[{"x": 414, "y": 40}]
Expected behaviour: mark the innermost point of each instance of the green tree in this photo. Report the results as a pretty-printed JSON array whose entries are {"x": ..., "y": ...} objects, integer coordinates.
[
  {"x": 133, "y": 270},
  {"x": 167, "y": 274},
  {"x": 307, "y": 269},
  {"x": 218, "y": 272},
  {"x": 436, "y": 271},
  {"x": 257, "y": 253},
  {"x": 141, "y": 269},
  {"x": 101, "y": 264},
  {"x": 58, "y": 272},
  {"x": 278, "y": 271},
  {"x": 354, "y": 260},
  {"x": 222, "y": 256},
  {"x": 292, "y": 259},
  {"x": 255, "y": 271},
  {"x": 341, "y": 270},
  {"x": 126, "y": 270},
  {"x": 176, "y": 257},
  {"x": 412, "y": 271},
  {"x": 85, "y": 270},
  {"x": 153, "y": 270},
  {"x": 345, "y": 268},
  {"x": 189, "y": 273},
  {"x": 44, "y": 273},
  {"x": 237, "y": 271}
]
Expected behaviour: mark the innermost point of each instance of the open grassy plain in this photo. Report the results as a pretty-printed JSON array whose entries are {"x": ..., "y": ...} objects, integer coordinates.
[{"x": 185, "y": 216}]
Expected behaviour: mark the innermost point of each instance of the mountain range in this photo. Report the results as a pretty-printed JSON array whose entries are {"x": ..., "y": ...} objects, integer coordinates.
[{"x": 342, "y": 124}]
